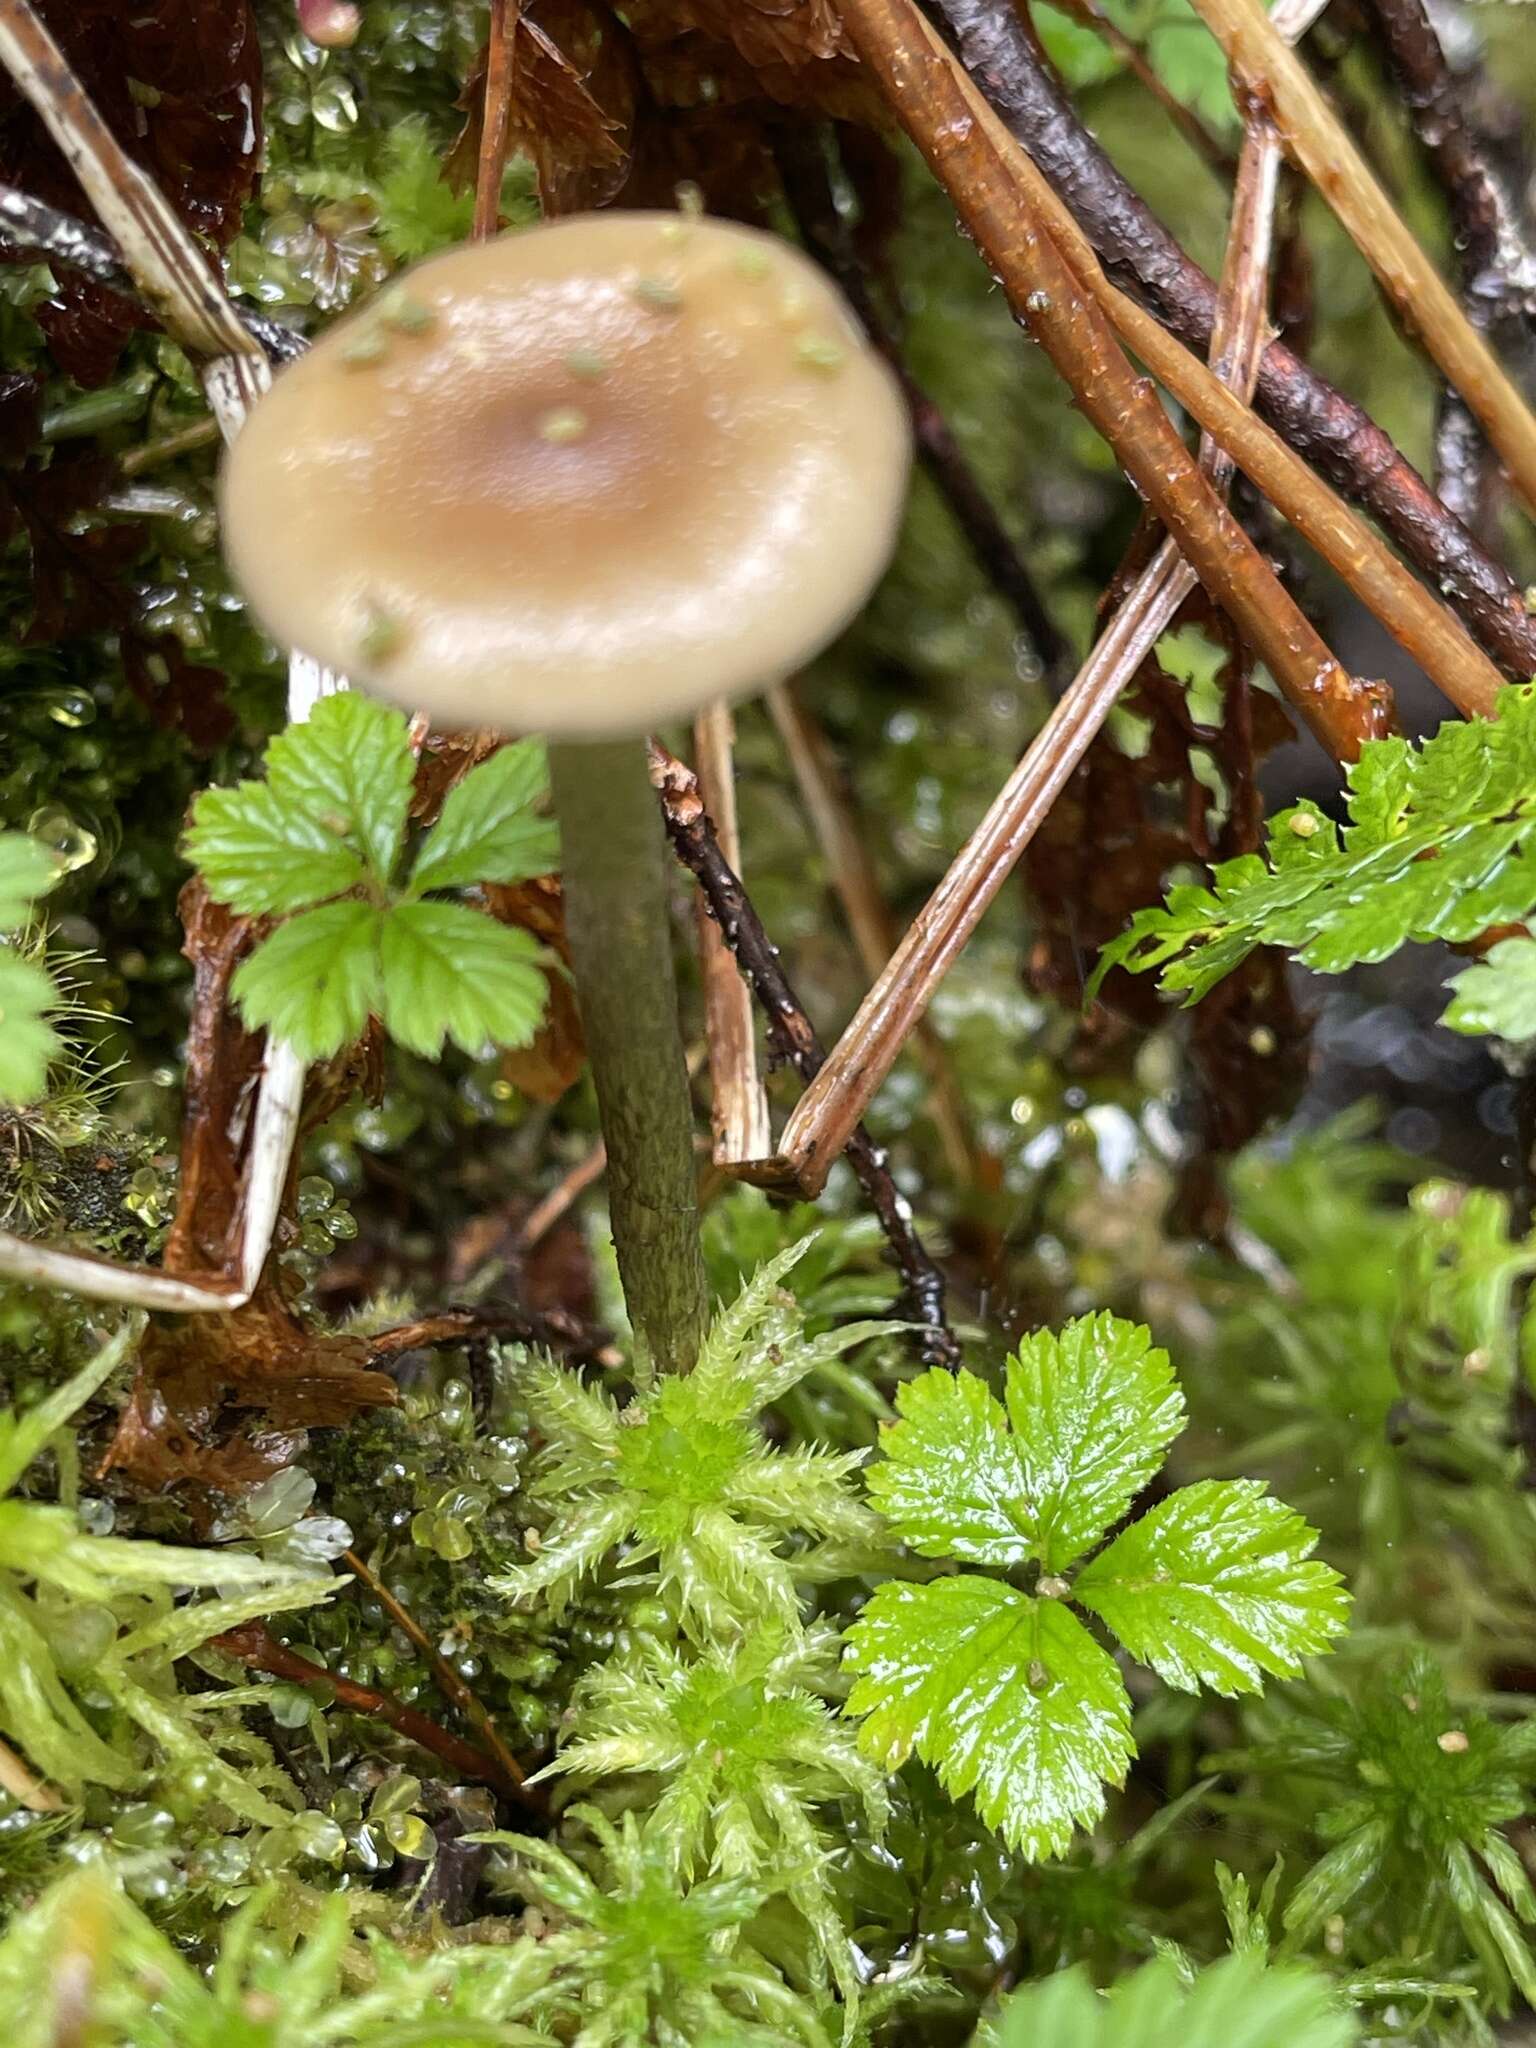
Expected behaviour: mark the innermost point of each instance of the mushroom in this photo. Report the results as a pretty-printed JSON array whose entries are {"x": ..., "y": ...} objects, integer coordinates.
[{"x": 579, "y": 481}]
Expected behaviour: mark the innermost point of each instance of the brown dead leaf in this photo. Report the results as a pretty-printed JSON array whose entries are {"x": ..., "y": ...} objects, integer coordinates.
[{"x": 554, "y": 1061}]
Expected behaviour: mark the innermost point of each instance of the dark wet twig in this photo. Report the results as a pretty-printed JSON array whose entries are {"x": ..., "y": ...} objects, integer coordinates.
[
  {"x": 793, "y": 1037},
  {"x": 800, "y": 154},
  {"x": 553, "y": 1330},
  {"x": 31, "y": 224},
  {"x": 255, "y": 1645},
  {"x": 1140, "y": 255},
  {"x": 1495, "y": 256}
]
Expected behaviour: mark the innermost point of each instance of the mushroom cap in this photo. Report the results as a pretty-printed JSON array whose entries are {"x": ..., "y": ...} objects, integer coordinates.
[{"x": 577, "y": 480}]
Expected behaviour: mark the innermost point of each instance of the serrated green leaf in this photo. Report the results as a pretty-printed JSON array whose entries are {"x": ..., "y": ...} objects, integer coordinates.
[
  {"x": 447, "y": 971},
  {"x": 28, "y": 1042},
  {"x": 349, "y": 763},
  {"x": 1441, "y": 844},
  {"x": 1005, "y": 1696},
  {"x": 1089, "y": 1415},
  {"x": 949, "y": 1481},
  {"x": 1216, "y": 1586},
  {"x": 1497, "y": 994},
  {"x": 1093, "y": 1410},
  {"x": 261, "y": 856},
  {"x": 316, "y": 980},
  {"x": 488, "y": 830},
  {"x": 27, "y": 871}
]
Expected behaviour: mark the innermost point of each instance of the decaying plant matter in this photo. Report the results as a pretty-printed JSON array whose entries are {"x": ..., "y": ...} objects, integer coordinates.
[{"x": 496, "y": 1549}]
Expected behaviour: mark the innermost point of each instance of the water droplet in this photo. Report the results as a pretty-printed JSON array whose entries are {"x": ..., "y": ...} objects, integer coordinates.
[{"x": 64, "y": 836}]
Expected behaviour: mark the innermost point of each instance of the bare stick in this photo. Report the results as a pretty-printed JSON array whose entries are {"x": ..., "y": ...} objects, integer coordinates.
[
  {"x": 24, "y": 1785},
  {"x": 542, "y": 1218},
  {"x": 738, "y": 1106},
  {"x": 793, "y": 1037},
  {"x": 255, "y": 1645},
  {"x": 493, "y": 127},
  {"x": 1317, "y": 140},
  {"x": 449, "y": 1683},
  {"x": 1140, "y": 254},
  {"x": 869, "y": 918},
  {"x": 864, "y": 1055},
  {"x": 172, "y": 276}
]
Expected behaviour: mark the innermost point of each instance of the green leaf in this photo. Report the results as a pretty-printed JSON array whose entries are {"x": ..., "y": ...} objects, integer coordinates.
[
  {"x": 1005, "y": 1696},
  {"x": 1093, "y": 1412},
  {"x": 488, "y": 830},
  {"x": 1441, "y": 844},
  {"x": 315, "y": 981},
  {"x": 1240, "y": 2002},
  {"x": 28, "y": 1042},
  {"x": 1497, "y": 994},
  {"x": 261, "y": 857},
  {"x": 449, "y": 971},
  {"x": 349, "y": 763},
  {"x": 1088, "y": 1416},
  {"x": 27, "y": 871},
  {"x": 330, "y": 814},
  {"x": 1216, "y": 1586}
]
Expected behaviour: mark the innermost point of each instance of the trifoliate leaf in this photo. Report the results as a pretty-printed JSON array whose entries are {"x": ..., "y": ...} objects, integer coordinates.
[
  {"x": 315, "y": 981},
  {"x": 488, "y": 830},
  {"x": 1441, "y": 844},
  {"x": 27, "y": 1041},
  {"x": 27, "y": 871},
  {"x": 447, "y": 971},
  {"x": 1240, "y": 2002},
  {"x": 1217, "y": 1586},
  {"x": 262, "y": 857},
  {"x": 1005, "y": 1696},
  {"x": 1497, "y": 994},
  {"x": 1093, "y": 1412},
  {"x": 1089, "y": 1415}
]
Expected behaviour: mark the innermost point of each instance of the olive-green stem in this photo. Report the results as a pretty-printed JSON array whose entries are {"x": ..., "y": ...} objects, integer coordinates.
[{"x": 615, "y": 876}]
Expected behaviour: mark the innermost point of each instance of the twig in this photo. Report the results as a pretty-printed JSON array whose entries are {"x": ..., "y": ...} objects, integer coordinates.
[
  {"x": 802, "y": 167},
  {"x": 1008, "y": 208},
  {"x": 254, "y": 1645},
  {"x": 1316, "y": 139},
  {"x": 793, "y": 1037},
  {"x": 494, "y": 123},
  {"x": 554, "y": 1329},
  {"x": 170, "y": 273},
  {"x": 34, "y": 225},
  {"x": 24, "y": 1785},
  {"x": 1340, "y": 710},
  {"x": 449, "y": 1683},
  {"x": 865, "y": 1053},
  {"x": 738, "y": 1107},
  {"x": 869, "y": 918},
  {"x": 1329, "y": 429},
  {"x": 544, "y": 1215}
]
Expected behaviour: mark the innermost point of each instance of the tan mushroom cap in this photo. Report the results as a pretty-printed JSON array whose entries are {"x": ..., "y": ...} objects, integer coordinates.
[{"x": 578, "y": 480}]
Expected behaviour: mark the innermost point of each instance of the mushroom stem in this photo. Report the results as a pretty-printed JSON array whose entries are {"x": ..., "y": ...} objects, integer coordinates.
[{"x": 615, "y": 877}]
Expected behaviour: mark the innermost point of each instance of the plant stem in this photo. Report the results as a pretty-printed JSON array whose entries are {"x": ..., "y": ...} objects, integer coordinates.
[{"x": 615, "y": 873}]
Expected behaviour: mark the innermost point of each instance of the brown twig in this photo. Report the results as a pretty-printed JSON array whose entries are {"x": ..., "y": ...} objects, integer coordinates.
[
  {"x": 852, "y": 872},
  {"x": 802, "y": 165},
  {"x": 571, "y": 1186},
  {"x": 868, "y": 1048},
  {"x": 493, "y": 128},
  {"x": 972, "y": 143},
  {"x": 449, "y": 1683},
  {"x": 1005, "y": 204},
  {"x": 738, "y": 1107},
  {"x": 23, "y": 1785},
  {"x": 552, "y": 1329},
  {"x": 253, "y": 1644},
  {"x": 1139, "y": 253},
  {"x": 1317, "y": 140},
  {"x": 794, "y": 1038}
]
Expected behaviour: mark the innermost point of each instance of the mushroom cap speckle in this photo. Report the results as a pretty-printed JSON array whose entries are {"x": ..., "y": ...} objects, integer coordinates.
[{"x": 578, "y": 480}]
